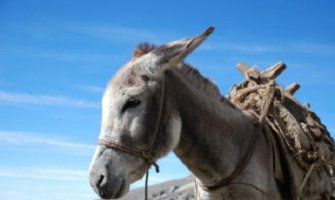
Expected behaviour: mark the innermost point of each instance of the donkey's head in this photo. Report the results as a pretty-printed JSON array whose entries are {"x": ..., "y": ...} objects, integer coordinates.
[{"x": 137, "y": 128}]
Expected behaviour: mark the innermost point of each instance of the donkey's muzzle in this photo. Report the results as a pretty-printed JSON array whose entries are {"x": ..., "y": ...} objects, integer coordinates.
[{"x": 106, "y": 185}]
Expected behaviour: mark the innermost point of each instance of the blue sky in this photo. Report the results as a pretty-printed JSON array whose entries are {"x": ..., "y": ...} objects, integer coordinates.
[{"x": 57, "y": 56}]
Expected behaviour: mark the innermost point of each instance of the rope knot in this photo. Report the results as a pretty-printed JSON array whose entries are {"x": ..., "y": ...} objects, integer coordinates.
[{"x": 156, "y": 167}]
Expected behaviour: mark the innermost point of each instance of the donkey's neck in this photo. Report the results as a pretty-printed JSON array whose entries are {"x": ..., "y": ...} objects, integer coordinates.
[{"x": 214, "y": 132}]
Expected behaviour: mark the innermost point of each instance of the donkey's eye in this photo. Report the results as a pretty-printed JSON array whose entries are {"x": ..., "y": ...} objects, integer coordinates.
[{"x": 131, "y": 103}]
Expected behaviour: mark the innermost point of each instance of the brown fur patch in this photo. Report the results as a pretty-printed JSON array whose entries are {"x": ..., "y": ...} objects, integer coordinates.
[{"x": 142, "y": 49}]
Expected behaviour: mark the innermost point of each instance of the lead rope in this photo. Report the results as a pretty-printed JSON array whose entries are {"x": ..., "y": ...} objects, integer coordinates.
[
  {"x": 146, "y": 186},
  {"x": 147, "y": 178},
  {"x": 160, "y": 112}
]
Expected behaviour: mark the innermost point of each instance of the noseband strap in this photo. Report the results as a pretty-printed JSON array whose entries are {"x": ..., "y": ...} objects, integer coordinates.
[{"x": 144, "y": 154}]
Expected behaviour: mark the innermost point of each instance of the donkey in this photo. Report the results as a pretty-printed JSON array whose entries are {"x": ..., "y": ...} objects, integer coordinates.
[{"x": 157, "y": 103}]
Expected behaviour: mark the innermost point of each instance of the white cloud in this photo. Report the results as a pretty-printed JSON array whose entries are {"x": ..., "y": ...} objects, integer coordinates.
[
  {"x": 317, "y": 48},
  {"x": 16, "y": 195},
  {"x": 90, "y": 88},
  {"x": 105, "y": 32},
  {"x": 23, "y": 138},
  {"x": 117, "y": 34},
  {"x": 296, "y": 47},
  {"x": 44, "y": 183},
  {"x": 45, "y": 174},
  {"x": 75, "y": 56},
  {"x": 45, "y": 100},
  {"x": 134, "y": 35},
  {"x": 246, "y": 48}
]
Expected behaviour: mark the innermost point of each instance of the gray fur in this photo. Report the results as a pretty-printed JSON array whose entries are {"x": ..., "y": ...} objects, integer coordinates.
[{"x": 213, "y": 137}]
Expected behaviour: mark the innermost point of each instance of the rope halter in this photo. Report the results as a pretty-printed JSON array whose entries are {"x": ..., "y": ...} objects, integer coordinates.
[{"x": 146, "y": 154}]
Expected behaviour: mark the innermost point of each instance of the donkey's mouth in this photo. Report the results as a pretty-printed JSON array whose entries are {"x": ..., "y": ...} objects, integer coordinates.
[
  {"x": 109, "y": 193},
  {"x": 122, "y": 190}
]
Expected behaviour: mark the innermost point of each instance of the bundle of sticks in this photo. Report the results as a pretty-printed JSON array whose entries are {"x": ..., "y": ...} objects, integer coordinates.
[{"x": 303, "y": 135}]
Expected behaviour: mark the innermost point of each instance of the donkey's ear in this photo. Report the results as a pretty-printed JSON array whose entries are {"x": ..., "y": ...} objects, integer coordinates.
[{"x": 175, "y": 52}]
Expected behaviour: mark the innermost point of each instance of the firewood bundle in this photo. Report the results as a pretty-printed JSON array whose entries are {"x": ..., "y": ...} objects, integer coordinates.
[{"x": 300, "y": 130}]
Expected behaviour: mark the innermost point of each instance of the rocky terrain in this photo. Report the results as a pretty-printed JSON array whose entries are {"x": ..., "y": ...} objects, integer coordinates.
[{"x": 179, "y": 189}]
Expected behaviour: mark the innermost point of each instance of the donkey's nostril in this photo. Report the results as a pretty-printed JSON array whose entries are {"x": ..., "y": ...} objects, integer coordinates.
[
  {"x": 101, "y": 185},
  {"x": 101, "y": 181}
]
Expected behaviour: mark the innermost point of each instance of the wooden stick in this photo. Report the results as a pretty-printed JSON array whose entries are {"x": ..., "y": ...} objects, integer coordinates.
[
  {"x": 248, "y": 72},
  {"x": 293, "y": 88},
  {"x": 253, "y": 73},
  {"x": 274, "y": 71},
  {"x": 243, "y": 69}
]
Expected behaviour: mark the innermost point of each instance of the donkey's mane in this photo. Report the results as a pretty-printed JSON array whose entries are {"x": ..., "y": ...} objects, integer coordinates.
[
  {"x": 192, "y": 74},
  {"x": 199, "y": 81},
  {"x": 204, "y": 84},
  {"x": 143, "y": 48}
]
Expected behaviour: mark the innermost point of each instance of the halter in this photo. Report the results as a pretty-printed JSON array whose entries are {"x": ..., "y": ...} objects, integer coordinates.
[{"x": 145, "y": 154}]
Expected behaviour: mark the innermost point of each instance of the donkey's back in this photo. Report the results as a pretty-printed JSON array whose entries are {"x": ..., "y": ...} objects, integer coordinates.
[{"x": 305, "y": 151}]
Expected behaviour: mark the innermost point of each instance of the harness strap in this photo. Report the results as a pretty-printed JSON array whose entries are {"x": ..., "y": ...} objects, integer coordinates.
[{"x": 241, "y": 165}]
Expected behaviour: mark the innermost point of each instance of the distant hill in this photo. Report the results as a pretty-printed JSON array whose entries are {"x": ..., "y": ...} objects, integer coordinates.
[{"x": 178, "y": 189}]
